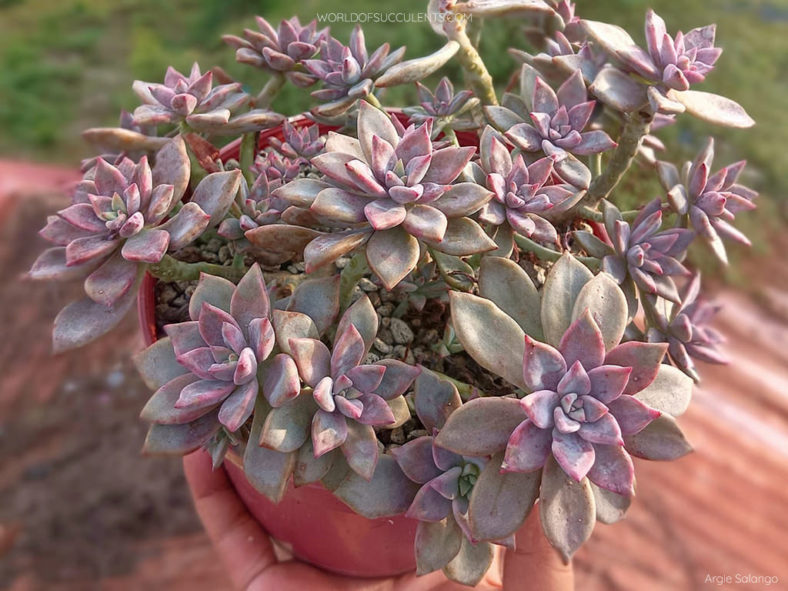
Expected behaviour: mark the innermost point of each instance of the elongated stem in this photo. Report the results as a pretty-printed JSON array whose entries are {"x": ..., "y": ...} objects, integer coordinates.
[
  {"x": 349, "y": 278},
  {"x": 171, "y": 269},
  {"x": 269, "y": 91},
  {"x": 597, "y": 216},
  {"x": 636, "y": 127},
  {"x": 247, "y": 154},
  {"x": 373, "y": 100},
  {"x": 451, "y": 136},
  {"x": 547, "y": 254},
  {"x": 472, "y": 64},
  {"x": 595, "y": 164},
  {"x": 198, "y": 173}
]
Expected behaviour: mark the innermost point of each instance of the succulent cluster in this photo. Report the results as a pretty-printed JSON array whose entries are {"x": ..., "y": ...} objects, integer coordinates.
[
  {"x": 444, "y": 107},
  {"x": 348, "y": 72},
  {"x": 280, "y": 50},
  {"x": 709, "y": 201},
  {"x": 489, "y": 229}
]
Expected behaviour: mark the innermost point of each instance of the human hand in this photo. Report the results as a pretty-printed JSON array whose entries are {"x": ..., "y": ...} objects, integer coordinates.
[{"x": 249, "y": 557}]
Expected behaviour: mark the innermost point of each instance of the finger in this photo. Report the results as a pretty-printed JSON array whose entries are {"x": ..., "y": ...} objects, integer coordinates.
[
  {"x": 243, "y": 546},
  {"x": 535, "y": 564}
]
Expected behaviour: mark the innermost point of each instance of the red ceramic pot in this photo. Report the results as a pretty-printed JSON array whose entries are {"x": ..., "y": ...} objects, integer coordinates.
[{"x": 323, "y": 531}]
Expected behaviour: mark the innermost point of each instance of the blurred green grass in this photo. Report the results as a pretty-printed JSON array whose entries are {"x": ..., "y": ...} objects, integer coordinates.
[{"x": 68, "y": 64}]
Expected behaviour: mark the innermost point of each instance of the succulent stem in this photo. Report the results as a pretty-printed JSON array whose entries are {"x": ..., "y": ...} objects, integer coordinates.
[
  {"x": 472, "y": 64},
  {"x": 269, "y": 91},
  {"x": 171, "y": 269},
  {"x": 247, "y": 154},
  {"x": 197, "y": 173},
  {"x": 449, "y": 134},
  {"x": 597, "y": 216},
  {"x": 373, "y": 100},
  {"x": 547, "y": 254},
  {"x": 595, "y": 164},
  {"x": 635, "y": 129},
  {"x": 349, "y": 278}
]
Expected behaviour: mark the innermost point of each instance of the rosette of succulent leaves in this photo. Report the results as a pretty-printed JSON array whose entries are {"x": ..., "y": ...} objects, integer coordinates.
[{"x": 500, "y": 209}]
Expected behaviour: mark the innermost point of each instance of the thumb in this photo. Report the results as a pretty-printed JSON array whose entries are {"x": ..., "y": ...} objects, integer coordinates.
[
  {"x": 535, "y": 565},
  {"x": 241, "y": 543}
]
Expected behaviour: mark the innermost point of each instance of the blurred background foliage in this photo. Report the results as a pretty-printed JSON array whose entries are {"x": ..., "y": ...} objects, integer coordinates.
[{"x": 68, "y": 64}]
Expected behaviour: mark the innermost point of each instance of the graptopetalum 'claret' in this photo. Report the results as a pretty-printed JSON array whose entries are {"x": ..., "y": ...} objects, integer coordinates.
[{"x": 513, "y": 259}]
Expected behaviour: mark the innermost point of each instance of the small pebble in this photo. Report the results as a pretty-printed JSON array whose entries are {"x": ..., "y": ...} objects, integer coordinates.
[
  {"x": 381, "y": 346},
  {"x": 342, "y": 262},
  {"x": 367, "y": 284},
  {"x": 415, "y": 433},
  {"x": 404, "y": 353},
  {"x": 386, "y": 336},
  {"x": 430, "y": 336},
  {"x": 386, "y": 309},
  {"x": 372, "y": 357},
  {"x": 403, "y": 334},
  {"x": 224, "y": 254},
  {"x": 398, "y": 435}
]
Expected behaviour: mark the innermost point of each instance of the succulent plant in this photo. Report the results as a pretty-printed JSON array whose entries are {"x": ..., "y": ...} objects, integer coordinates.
[
  {"x": 110, "y": 228},
  {"x": 277, "y": 167},
  {"x": 348, "y": 72},
  {"x": 393, "y": 188},
  {"x": 677, "y": 62},
  {"x": 444, "y": 106},
  {"x": 189, "y": 98},
  {"x": 351, "y": 397},
  {"x": 222, "y": 351},
  {"x": 115, "y": 229},
  {"x": 582, "y": 404},
  {"x": 303, "y": 142},
  {"x": 523, "y": 195},
  {"x": 643, "y": 254},
  {"x": 709, "y": 202},
  {"x": 669, "y": 67},
  {"x": 559, "y": 119},
  {"x": 538, "y": 120},
  {"x": 686, "y": 328},
  {"x": 515, "y": 258},
  {"x": 194, "y": 100},
  {"x": 279, "y": 50},
  {"x": 446, "y": 481},
  {"x": 588, "y": 397},
  {"x": 257, "y": 208}
]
